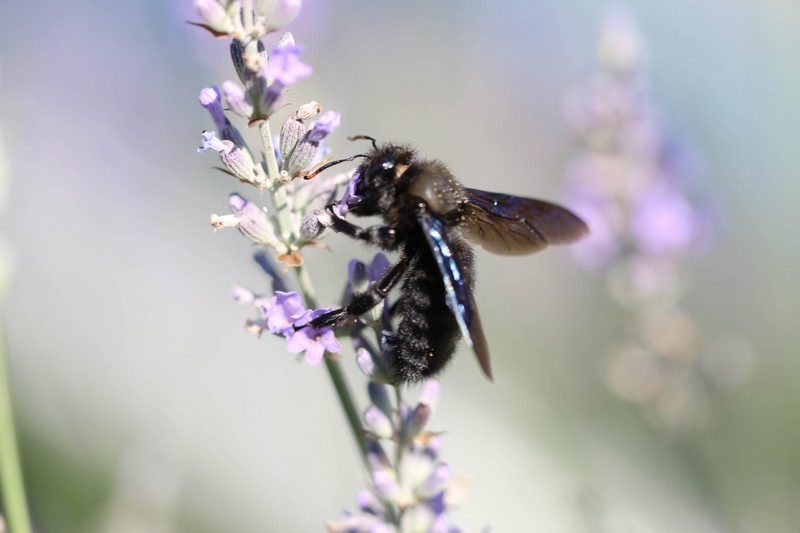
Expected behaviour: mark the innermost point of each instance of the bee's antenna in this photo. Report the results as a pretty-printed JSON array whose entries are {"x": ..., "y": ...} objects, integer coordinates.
[
  {"x": 330, "y": 164},
  {"x": 364, "y": 137}
]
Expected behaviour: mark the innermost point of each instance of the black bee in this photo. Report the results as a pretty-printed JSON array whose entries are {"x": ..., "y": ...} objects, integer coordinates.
[{"x": 429, "y": 217}]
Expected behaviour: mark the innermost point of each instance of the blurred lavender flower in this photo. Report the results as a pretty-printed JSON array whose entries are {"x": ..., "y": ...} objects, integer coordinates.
[
  {"x": 636, "y": 185},
  {"x": 413, "y": 492}
]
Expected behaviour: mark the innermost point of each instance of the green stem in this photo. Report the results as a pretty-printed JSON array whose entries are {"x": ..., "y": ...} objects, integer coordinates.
[
  {"x": 335, "y": 373},
  {"x": 15, "y": 503}
]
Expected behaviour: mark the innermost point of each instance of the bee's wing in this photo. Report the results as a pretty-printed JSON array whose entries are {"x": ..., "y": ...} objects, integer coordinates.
[
  {"x": 457, "y": 292},
  {"x": 513, "y": 225}
]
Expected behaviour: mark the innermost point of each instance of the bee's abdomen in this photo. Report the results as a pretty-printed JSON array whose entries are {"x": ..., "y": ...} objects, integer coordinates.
[{"x": 428, "y": 332}]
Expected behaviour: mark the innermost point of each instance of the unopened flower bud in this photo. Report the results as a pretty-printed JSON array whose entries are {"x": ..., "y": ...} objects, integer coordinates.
[
  {"x": 369, "y": 503},
  {"x": 236, "y": 99},
  {"x": 302, "y": 156},
  {"x": 376, "y": 455},
  {"x": 365, "y": 362},
  {"x": 378, "y": 423},
  {"x": 214, "y": 15},
  {"x": 435, "y": 483},
  {"x": 292, "y": 131},
  {"x": 311, "y": 227},
  {"x": 253, "y": 222},
  {"x": 210, "y": 99},
  {"x": 417, "y": 420},
  {"x": 386, "y": 485},
  {"x": 241, "y": 164},
  {"x": 380, "y": 398},
  {"x": 309, "y": 110}
]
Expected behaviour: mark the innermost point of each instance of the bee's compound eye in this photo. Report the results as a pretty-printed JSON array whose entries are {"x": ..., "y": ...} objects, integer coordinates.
[{"x": 387, "y": 165}]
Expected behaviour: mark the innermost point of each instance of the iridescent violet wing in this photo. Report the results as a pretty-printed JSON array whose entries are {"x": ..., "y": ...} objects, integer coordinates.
[
  {"x": 457, "y": 292},
  {"x": 513, "y": 225}
]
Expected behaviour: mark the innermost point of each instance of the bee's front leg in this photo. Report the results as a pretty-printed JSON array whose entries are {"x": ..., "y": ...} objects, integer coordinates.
[
  {"x": 320, "y": 219},
  {"x": 364, "y": 301}
]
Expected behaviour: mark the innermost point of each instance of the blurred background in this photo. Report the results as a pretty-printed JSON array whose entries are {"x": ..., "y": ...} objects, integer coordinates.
[{"x": 143, "y": 405}]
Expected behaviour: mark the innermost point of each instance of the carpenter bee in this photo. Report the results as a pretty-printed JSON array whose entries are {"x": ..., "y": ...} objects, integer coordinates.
[{"x": 428, "y": 217}]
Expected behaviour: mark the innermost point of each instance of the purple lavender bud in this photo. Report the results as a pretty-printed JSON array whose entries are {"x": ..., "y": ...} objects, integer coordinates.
[
  {"x": 311, "y": 227},
  {"x": 270, "y": 98},
  {"x": 241, "y": 165},
  {"x": 280, "y": 14},
  {"x": 376, "y": 456},
  {"x": 430, "y": 394},
  {"x": 306, "y": 150},
  {"x": 379, "y": 397},
  {"x": 215, "y": 15},
  {"x": 368, "y": 503},
  {"x": 324, "y": 126},
  {"x": 292, "y": 131},
  {"x": 417, "y": 420},
  {"x": 386, "y": 485},
  {"x": 236, "y": 99},
  {"x": 357, "y": 280},
  {"x": 210, "y": 99},
  {"x": 377, "y": 267},
  {"x": 433, "y": 446},
  {"x": 253, "y": 223},
  {"x": 435, "y": 483},
  {"x": 378, "y": 423},
  {"x": 365, "y": 362},
  {"x": 302, "y": 157}
]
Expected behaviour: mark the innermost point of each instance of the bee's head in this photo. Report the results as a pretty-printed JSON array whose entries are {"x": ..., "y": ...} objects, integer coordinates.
[{"x": 375, "y": 182}]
